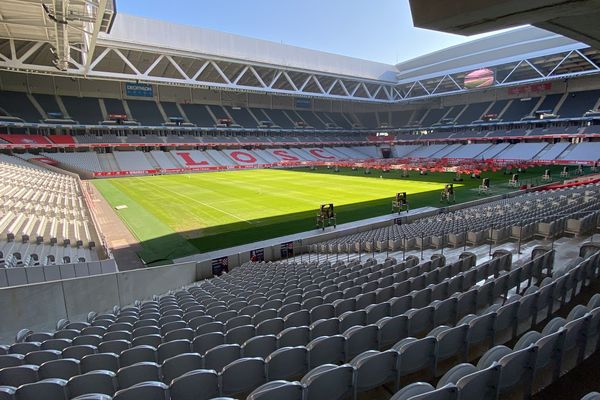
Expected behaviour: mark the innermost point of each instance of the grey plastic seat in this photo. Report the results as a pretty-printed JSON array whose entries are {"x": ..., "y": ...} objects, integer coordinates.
[
  {"x": 11, "y": 360},
  {"x": 140, "y": 372},
  {"x": 92, "y": 340},
  {"x": 483, "y": 384},
  {"x": 93, "y": 396},
  {"x": 360, "y": 339},
  {"x": 153, "y": 340},
  {"x": 591, "y": 396},
  {"x": 144, "y": 390},
  {"x": 104, "y": 382},
  {"x": 415, "y": 355},
  {"x": 287, "y": 363},
  {"x": 243, "y": 375},
  {"x": 100, "y": 361},
  {"x": 413, "y": 390},
  {"x": 259, "y": 346},
  {"x": 178, "y": 365},
  {"x": 137, "y": 354},
  {"x": 448, "y": 392},
  {"x": 23, "y": 347},
  {"x": 47, "y": 389},
  {"x": 202, "y": 343},
  {"x": 200, "y": 384},
  {"x": 326, "y": 350},
  {"x": 55, "y": 344},
  {"x": 64, "y": 368},
  {"x": 199, "y": 320},
  {"x": 240, "y": 334},
  {"x": 295, "y": 336},
  {"x": 218, "y": 357},
  {"x": 517, "y": 370},
  {"x": 328, "y": 382},
  {"x": 214, "y": 326},
  {"x": 171, "y": 349},
  {"x": 373, "y": 368},
  {"x": 178, "y": 334},
  {"x": 270, "y": 326},
  {"x": 117, "y": 335},
  {"x": 114, "y": 346},
  {"x": 451, "y": 343},
  {"x": 392, "y": 329},
  {"x": 41, "y": 356},
  {"x": 19, "y": 375},
  {"x": 276, "y": 390},
  {"x": 7, "y": 392},
  {"x": 79, "y": 351},
  {"x": 325, "y": 327},
  {"x": 455, "y": 373}
]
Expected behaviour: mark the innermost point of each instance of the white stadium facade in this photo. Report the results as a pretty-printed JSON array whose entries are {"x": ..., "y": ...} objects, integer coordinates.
[{"x": 394, "y": 307}]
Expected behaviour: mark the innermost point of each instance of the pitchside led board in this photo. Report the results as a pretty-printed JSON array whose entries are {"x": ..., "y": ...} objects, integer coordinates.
[
  {"x": 257, "y": 255},
  {"x": 480, "y": 78},
  {"x": 287, "y": 249},
  {"x": 220, "y": 265}
]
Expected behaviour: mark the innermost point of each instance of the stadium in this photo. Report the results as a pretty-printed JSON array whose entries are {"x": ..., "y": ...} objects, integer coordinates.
[{"x": 192, "y": 214}]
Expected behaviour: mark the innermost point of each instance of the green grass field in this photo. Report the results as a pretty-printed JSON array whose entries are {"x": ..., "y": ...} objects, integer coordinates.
[{"x": 178, "y": 215}]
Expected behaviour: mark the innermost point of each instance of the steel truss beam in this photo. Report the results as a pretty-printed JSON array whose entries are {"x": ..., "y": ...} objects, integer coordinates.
[
  {"x": 311, "y": 84},
  {"x": 588, "y": 67}
]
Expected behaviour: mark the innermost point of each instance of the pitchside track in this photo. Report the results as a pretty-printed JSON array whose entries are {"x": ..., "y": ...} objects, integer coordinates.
[{"x": 178, "y": 215}]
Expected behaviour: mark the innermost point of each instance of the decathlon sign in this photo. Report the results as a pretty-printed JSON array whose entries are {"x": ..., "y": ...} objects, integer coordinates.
[{"x": 139, "y": 90}]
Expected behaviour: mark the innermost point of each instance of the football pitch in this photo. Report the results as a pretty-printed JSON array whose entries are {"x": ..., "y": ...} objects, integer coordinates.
[{"x": 178, "y": 215}]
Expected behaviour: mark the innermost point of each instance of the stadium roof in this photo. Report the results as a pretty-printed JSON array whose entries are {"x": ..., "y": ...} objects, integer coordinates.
[
  {"x": 66, "y": 25},
  {"x": 145, "y": 33},
  {"x": 103, "y": 45},
  {"x": 489, "y": 51}
]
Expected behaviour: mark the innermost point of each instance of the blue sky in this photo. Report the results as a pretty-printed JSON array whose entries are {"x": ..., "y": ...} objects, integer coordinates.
[{"x": 376, "y": 30}]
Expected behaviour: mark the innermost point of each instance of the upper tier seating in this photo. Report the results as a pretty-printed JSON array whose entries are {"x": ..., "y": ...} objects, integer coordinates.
[
  {"x": 578, "y": 103},
  {"x": 520, "y": 108},
  {"x": 171, "y": 110},
  {"x": 198, "y": 114},
  {"x": 242, "y": 117},
  {"x": 85, "y": 110},
  {"x": 114, "y": 106},
  {"x": 433, "y": 116},
  {"x": 279, "y": 118},
  {"x": 48, "y": 104},
  {"x": 17, "y": 104},
  {"x": 473, "y": 112},
  {"x": 145, "y": 112},
  {"x": 550, "y": 102}
]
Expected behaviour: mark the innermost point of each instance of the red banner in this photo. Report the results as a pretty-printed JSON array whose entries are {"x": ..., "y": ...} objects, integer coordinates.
[{"x": 533, "y": 88}]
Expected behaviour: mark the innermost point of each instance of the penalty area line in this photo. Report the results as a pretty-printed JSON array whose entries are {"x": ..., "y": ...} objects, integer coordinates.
[{"x": 199, "y": 202}]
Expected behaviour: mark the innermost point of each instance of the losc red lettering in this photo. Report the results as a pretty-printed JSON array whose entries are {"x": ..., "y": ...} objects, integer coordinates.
[{"x": 285, "y": 156}]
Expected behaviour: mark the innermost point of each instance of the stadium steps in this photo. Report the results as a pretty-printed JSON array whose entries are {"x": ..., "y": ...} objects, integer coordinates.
[
  {"x": 151, "y": 161},
  {"x": 338, "y": 153},
  {"x": 164, "y": 159},
  {"x": 220, "y": 158},
  {"x": 37, "y": 105},
  {"x": 469, "y": 150},
  {"x": 108, "y": 162},
  {"x": 305, "y": 156},
  {"x": 552, "y": 152},
  {"x": 265, "y": 155}
]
